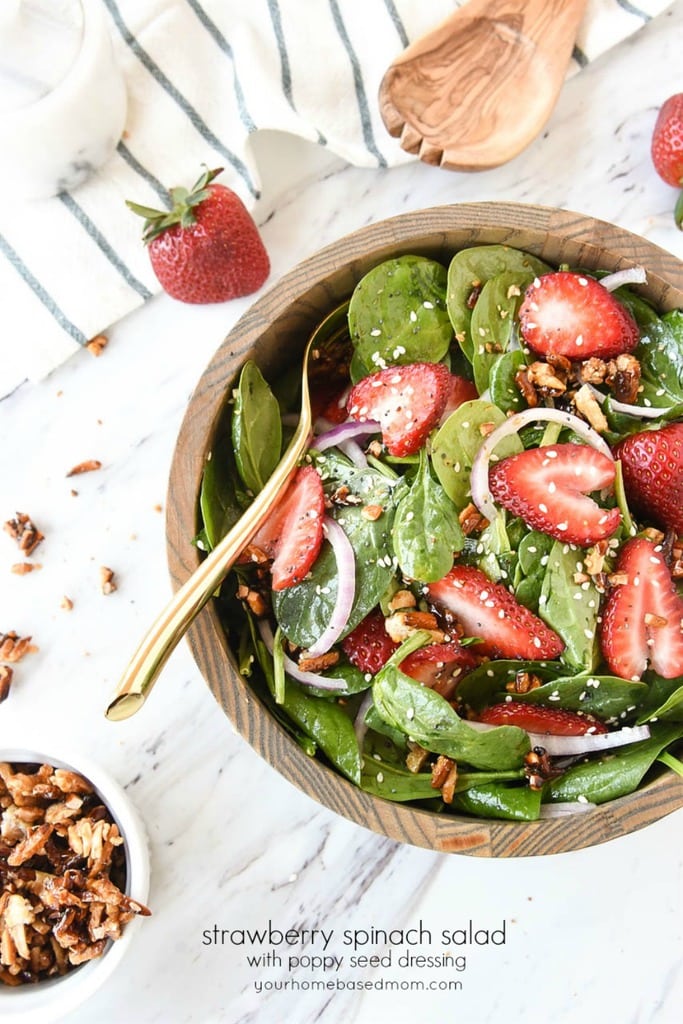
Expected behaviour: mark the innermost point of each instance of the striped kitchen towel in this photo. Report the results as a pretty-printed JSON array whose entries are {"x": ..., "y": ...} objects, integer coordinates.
[{"x": 202, "y": 76}]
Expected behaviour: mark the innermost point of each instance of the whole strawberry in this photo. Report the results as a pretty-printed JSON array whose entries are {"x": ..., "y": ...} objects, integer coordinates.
[
  {"x": 207, "y": 247},
  {"x": 667, "y": 148}
]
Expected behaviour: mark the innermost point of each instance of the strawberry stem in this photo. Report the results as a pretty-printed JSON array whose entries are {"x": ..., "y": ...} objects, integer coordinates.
[{"x": 183, "y": 201}]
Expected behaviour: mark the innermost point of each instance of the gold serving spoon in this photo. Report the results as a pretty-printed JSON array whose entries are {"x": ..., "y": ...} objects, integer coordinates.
[
  {"x": 178, "y": 615},
  {"x": 474, "y": 92}
]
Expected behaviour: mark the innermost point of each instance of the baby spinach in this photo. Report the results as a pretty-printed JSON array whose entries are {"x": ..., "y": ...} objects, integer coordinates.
[
  {"x": 328, "y": 724},
  {"x": 670, "y": 708},
  {"x": 457, "y": 442},
  {"x": 617, "y": 773},
  {"x": 397, "y": 313},
  {"x": 425, "y": 716},
  {"x": 608, "y": 697},
  {"x": 256, "y": 428},
  {"x": 503, "y": 390},
  {"x": 426, "y": 531},
  {"x": 493, "y": 324},
  {"x": 481, "y": 686},
  {"x": 469, "y": 270},
  {"x": 219, "y": 503},
  {"x": 500, "y": 800},
  {"x": 570, "y": 608}
]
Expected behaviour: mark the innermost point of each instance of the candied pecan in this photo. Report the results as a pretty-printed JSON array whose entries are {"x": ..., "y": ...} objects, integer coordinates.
[
  {"x": 546, "y": 378},
  {"x": 403, "y": 624},
  {"x": 473, "y": 295},
  {"x": 24, "y": 531},
  {"x": 416, "y": 757},
  {"x": 89, "y": 466},
  {"x": 6, "y": 674},
  {"x": 444, "y": 777},
  {"x": 526, "y": 388},
  {"x": 97, "y": 345},
  {"x": 318, "y": 663},
  {"x": 589, "y": 407},
  {"x": 13, "y": 647},
  {"x": 592, "y": 371},
  {"x": 255, "y": 601},
  {"x": 471, "y": 520},
  {"x": 371, "y": 512},
  {"x": 523, "y": 682},
  {"x": 24, "y": 568},
  {"x": 402, "y": 600},
  {"x": 107, "y": 585},
  {"x": 623, "y": 377}
]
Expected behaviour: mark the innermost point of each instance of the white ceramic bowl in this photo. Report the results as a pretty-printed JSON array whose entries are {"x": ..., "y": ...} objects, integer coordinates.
[{"x": 50, "y": 1000}]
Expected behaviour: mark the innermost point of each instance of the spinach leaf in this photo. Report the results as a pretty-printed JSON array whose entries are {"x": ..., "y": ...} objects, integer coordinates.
[
  {"x": 660, "y": 350},
  {"x": 532, "y": 558},
  {"x": 219, "y": 503},
  {"x": 469, "y": 270},
  {"x": 326, "y": 723},
  {"x": 502, "y": 388},
  {"x": 499, "y": 800},
  {"x": 481, "y": 687},
  {"x": 615, "y": 774},
  {"x": 304, "y": 610},
  {"x": 493, "y": 323},
  {"x": 426, "y": 717},
  {"x": 608, "y": 697},
  {"x": 457, "y": 442},
  {"x": 397, "y": 313},
  {"x": 256, "y": 428},
  {"x": 394, "y": 782},
  {"x": 570, "y": 608},
  {"x": 671, "y": 706},
  {"x": 426, "y": 531}
]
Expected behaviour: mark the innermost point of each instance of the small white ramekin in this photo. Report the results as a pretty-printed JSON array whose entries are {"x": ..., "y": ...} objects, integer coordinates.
[{"x": 46, "y": 1001}]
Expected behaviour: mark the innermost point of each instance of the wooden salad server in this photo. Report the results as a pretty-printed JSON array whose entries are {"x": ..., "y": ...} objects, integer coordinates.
[{"x": 474, "y": 92}]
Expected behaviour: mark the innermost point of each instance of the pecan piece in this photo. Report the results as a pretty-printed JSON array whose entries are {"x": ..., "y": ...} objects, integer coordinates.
[
  {"x": 24, "y": 531},
  {"x": 13, "y": 647},
  {"x": 444, "y": 777},
  {"x": 89, "y": 466},
  {"x": 6, "y": 674},
  {"x": 623, "y": 378}
]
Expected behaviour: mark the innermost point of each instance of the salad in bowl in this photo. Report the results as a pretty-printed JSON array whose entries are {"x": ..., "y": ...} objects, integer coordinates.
[{"x": 469, "y": 599}]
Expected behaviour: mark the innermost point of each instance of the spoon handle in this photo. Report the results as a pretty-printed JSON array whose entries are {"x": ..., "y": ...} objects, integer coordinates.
[{"x": 173, "y": 622}]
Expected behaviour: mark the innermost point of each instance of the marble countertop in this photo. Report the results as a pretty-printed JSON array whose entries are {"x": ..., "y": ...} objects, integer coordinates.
[{"x": 591, "y": 936}]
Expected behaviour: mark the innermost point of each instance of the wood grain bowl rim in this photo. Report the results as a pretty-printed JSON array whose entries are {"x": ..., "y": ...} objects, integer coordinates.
[{"x": 272, "y": 331}]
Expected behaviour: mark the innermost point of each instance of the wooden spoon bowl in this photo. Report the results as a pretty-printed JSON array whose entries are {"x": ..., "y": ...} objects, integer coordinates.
[
  {"x": 274, "y": 332},
  {"x": 475, "y": 91}
]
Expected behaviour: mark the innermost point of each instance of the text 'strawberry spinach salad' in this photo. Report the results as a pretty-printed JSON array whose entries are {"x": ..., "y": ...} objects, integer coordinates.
[{"x": 470, "y": 597}]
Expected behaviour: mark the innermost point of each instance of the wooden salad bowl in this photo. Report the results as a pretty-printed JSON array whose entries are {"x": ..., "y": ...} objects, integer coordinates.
[{"x": 273, "y": 332}]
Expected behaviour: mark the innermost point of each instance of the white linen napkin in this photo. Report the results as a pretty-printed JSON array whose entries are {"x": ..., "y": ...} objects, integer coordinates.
[{"x": 202, "y": 76}]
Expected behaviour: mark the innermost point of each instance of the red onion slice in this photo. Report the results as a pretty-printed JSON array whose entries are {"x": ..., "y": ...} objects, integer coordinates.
[
  {"x": 354, "y": 453},
  {"x": 479, "y": 479},
  {"x": 346, "y": 587},
  {"x": 359, "y": 724},
  {"x": 348, "y": 431},
  {"x": 291, "y": 667},
  {"x": 589, "y": 743},
  {"x": 644, "y": 412},
  {"x": 629, "y": 275}
]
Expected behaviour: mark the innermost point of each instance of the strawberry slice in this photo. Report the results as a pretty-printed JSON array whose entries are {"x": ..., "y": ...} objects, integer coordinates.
[
  {"x": 489, "y": 611},
  {"x": 572, "y": 315},
  {"x": 549, "y": 487},
  {"x": 460, "y": 390},
  {"x": 293, "y": 534},
  {"x": 643, "y": 616},
  {"x": 542, "y": 719},
  {"x": 440, "y": 666},
  {"x": 369, "y": 646},
  {"x": 407, "y": 401},
  {"x": 652, "y": 465}
]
